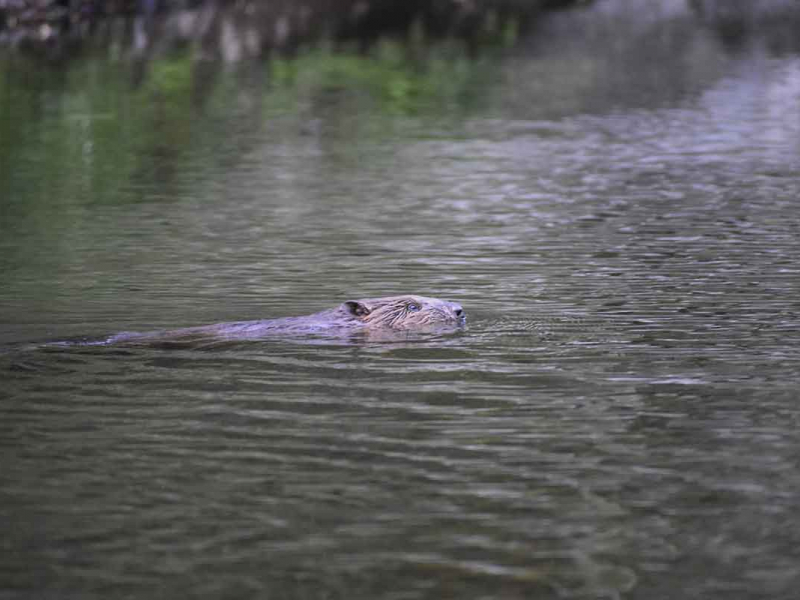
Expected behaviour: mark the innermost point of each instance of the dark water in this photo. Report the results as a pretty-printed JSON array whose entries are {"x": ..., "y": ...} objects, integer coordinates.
[{"x": 615, "y": 203}]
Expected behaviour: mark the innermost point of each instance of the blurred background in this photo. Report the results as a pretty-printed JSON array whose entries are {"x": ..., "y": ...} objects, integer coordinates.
[{"x": 610, "y": 188}]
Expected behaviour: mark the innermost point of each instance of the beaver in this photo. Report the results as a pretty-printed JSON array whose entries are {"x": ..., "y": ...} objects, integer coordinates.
[{"x": 372, "y": 316}]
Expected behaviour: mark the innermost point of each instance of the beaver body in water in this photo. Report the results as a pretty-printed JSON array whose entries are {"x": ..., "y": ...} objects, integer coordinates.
[{"x": 376, "y": 317}]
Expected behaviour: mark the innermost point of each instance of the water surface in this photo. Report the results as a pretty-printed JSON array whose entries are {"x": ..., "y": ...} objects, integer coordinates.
[{"x": 618, "y": 213}]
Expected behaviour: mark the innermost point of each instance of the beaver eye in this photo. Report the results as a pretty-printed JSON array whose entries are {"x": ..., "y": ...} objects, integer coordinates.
[{"x": 412, "y": 307}]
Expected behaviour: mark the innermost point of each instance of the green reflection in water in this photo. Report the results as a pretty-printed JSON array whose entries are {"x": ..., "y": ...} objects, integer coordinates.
[
  {"x": 98, "y": 130},
  {"x": 393, "y": 80}
]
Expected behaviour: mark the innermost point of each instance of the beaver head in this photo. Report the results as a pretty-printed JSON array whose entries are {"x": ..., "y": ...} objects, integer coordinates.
[{"x": 406, "y": 313}]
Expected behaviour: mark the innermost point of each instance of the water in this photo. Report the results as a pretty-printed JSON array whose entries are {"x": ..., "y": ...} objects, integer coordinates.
[{"x": 617, "y": 212}]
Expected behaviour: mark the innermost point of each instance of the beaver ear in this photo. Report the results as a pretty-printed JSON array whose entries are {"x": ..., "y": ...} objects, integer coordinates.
[{"x": 357, "y": 309}]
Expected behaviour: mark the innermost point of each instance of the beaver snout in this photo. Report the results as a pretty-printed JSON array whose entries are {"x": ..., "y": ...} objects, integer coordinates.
[{"x": 458, "y": 311}]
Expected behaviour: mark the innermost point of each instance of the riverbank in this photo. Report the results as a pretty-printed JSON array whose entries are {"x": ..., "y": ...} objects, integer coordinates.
[{"x": 57, "y": 26}]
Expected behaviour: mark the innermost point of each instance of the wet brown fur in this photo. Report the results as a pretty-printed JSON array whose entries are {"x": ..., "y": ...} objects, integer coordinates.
[
  {"x": 374, "y": 316},
  {"x": 396, "y": 312}
]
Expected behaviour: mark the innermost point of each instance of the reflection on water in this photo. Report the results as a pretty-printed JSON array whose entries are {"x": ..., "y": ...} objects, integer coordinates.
[{"x": 617, "y": 212}]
